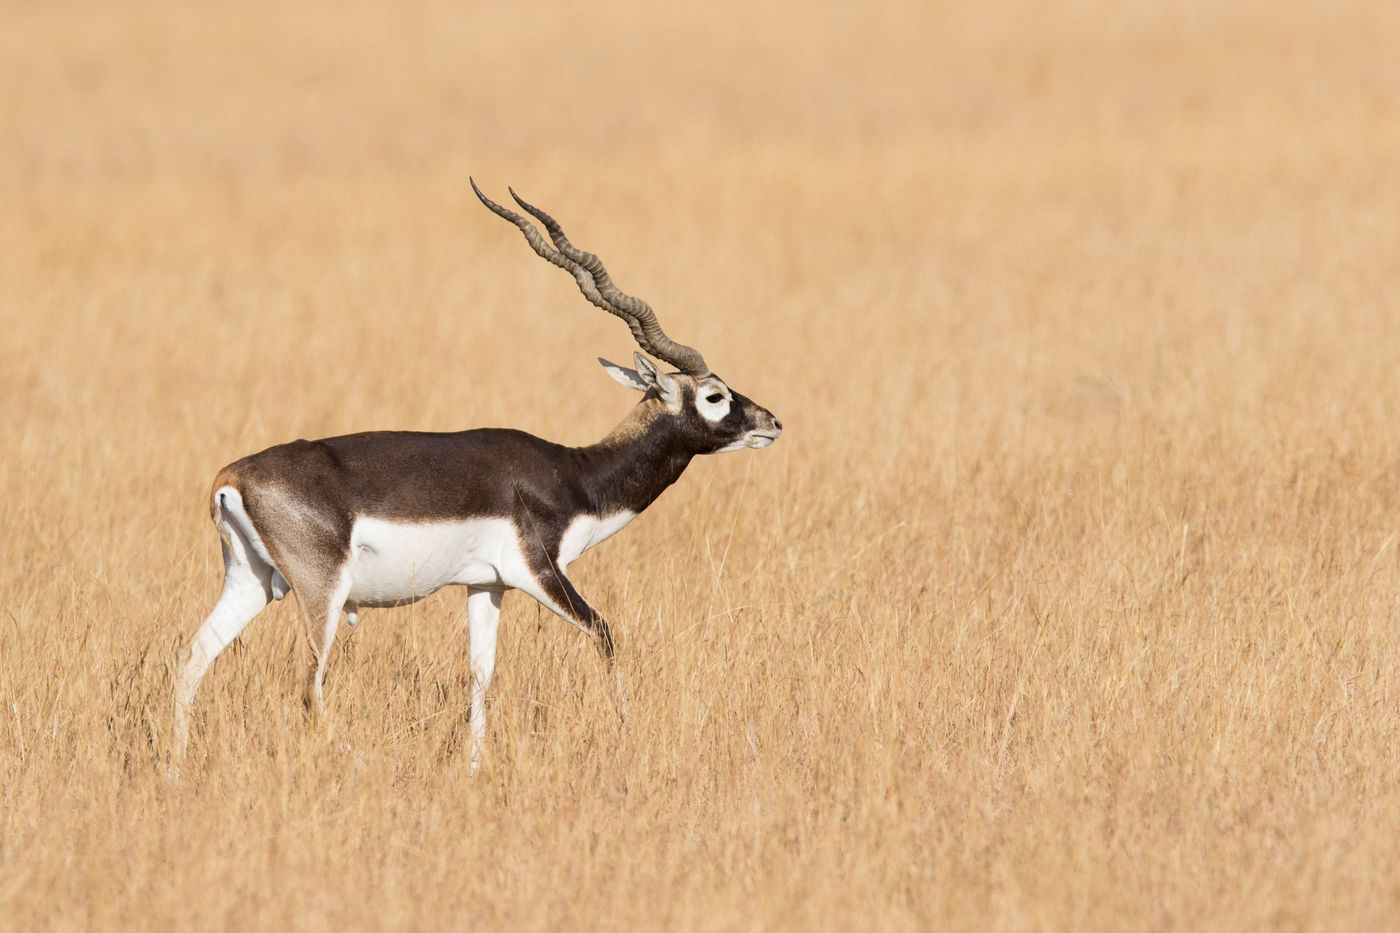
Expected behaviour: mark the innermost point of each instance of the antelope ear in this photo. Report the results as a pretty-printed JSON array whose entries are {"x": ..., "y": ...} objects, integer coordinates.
[
  {"x": 668, "y": 388},
  {"x": 629, "y": 378}
]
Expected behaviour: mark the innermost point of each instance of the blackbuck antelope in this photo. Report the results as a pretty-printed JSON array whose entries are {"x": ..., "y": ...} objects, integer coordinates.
[{"x": 386, "y": 518}]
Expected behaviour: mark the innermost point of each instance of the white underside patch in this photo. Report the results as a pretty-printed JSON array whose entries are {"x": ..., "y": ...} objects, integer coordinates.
[
  {"x": 394, "y": 562},
  {"x": 589, "y": 531}
]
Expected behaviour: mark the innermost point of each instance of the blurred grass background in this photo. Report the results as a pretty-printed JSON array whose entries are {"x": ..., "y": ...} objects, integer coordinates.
[{"x": 1066, "y": 601}]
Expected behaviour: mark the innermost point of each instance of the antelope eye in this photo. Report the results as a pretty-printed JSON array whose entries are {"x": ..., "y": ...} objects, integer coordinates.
[{"x": 714, "y": 399}]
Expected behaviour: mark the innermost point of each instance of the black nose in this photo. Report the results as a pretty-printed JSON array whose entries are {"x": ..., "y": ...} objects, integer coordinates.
[{"x": 777, "y": 424}]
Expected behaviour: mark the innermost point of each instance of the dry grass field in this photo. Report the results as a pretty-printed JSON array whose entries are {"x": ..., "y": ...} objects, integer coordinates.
[{"x": 1068, "y": 600}]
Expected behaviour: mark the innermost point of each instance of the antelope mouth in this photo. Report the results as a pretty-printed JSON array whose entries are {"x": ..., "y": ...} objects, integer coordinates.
[{"x": 759, "y": 441}]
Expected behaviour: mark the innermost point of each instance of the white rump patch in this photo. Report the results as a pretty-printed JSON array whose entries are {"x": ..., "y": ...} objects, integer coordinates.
[
  {"x": 230, "y": 503},
  {"x": 589, "y": 531},
  {"x": 395, "y": 562}
]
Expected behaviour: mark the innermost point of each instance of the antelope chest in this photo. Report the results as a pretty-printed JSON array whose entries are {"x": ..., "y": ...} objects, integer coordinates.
[
  {"x": 587, "y": 531},
  {"x": 395, "y": 561}
]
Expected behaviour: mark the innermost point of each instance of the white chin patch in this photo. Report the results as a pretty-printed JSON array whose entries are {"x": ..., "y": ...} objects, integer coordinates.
[{"x": 748, "y": 442}]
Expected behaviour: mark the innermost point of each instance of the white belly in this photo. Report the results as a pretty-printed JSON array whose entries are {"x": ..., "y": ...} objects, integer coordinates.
[{"x": 392, "y": 562}]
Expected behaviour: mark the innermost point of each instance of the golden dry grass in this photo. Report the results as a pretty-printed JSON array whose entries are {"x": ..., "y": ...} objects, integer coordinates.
[{"x": 1068, "y": 600}]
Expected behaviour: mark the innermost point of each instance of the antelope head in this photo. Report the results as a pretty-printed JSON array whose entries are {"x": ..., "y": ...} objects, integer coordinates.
[{"x": 706, "y": 414}]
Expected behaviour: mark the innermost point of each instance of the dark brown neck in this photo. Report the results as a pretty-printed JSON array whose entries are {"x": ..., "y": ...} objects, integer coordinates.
[{"x": 637, "y": 461}]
